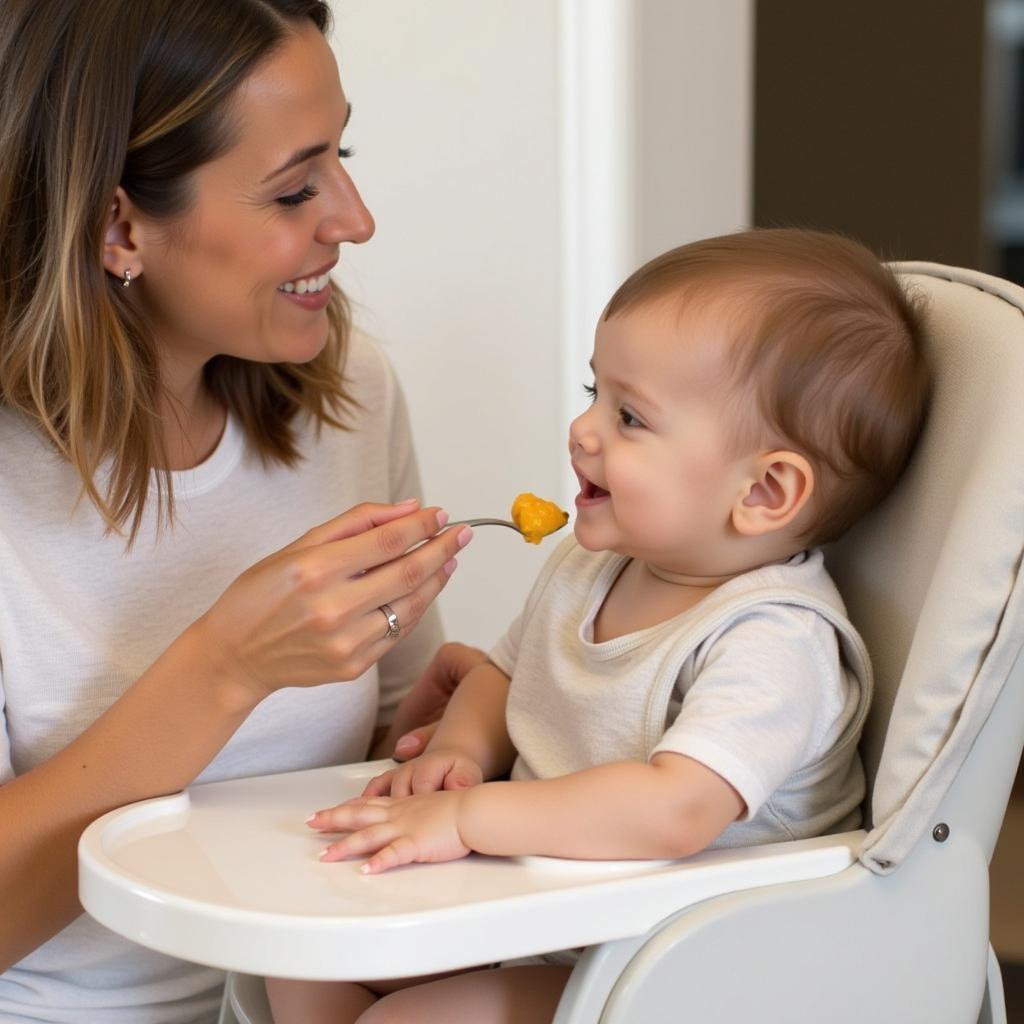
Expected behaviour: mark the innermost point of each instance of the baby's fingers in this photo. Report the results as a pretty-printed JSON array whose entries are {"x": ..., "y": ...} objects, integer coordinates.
[
  {"x": 401, "y": 851},
  {"x": 367, "y": 840},
  {"x": 428, "y": 776},
  {"x": 380, "y": 785},
  {"x": 349, "y": 816}
]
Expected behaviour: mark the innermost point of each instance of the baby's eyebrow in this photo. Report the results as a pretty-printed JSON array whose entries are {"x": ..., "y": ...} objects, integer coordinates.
[{"x": 630, "y": 389}]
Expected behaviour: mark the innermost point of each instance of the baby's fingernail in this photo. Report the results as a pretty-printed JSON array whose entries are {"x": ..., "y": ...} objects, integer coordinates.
[
  {"x": 465, "y": 536},
  {"x": 442, "y": 519},
  {"x": 365, "y": 869},
  {"x": 407, "y": 501},
  {"x": 311, "y": 818},
  {"x": 449, "y": 566}
]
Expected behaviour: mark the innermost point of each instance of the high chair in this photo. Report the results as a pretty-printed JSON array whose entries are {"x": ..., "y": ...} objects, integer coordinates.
[{"x": 885, "y": 924}]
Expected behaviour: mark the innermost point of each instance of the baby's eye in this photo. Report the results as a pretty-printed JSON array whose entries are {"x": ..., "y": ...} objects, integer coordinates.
[
  {"x": 590, "y": 391},
  {"x": 344, "y": 152},
  {"x": 304, "y": 194},
  {"x": 628, "y": 419}
]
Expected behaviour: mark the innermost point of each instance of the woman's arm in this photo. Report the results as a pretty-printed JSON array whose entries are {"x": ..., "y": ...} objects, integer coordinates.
[
  {"x": 154, "y": 740},
  {"x": 306, "y": 615}
]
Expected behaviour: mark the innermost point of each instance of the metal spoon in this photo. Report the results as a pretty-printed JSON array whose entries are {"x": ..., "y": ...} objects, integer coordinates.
[
  {"x": 495, "y": 522},
  {"x": 486, "y": 522}
]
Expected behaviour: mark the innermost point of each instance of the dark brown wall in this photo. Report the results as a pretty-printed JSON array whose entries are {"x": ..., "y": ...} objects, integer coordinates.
[{"x": 868, "y": 121}]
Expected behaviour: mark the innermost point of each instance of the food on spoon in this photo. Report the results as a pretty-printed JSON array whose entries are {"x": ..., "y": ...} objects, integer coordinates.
[{"x": 536, "y": 518}]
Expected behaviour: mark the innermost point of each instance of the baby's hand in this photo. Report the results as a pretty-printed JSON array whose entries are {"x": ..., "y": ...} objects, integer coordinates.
[
  {"x": 420, "y": 828},
  {"x": 434, "y": 770}
]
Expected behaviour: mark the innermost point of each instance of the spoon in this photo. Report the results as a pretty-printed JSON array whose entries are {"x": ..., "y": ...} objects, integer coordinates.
[{"x": 487, "y": 522}]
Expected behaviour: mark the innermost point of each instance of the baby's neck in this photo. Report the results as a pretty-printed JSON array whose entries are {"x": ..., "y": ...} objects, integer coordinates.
[{"x": 683, "y": 579}]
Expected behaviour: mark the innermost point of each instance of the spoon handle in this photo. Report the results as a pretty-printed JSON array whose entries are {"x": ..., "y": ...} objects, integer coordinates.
[{"x": 485, "y": 522}]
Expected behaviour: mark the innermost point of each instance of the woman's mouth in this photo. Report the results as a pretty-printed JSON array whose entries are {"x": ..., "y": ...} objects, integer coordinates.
[{"x": 310, "y": 292}]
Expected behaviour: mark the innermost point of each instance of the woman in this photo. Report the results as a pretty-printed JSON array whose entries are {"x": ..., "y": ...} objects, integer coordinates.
[{"x": 181, "y": 397}]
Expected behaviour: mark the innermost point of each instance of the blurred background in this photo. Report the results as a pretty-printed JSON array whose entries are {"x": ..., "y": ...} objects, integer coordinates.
[{"x": 523, "y": 156}]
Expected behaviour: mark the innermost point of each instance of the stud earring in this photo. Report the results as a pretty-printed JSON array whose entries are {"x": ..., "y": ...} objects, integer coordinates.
[{"x": 127, "y": 278}]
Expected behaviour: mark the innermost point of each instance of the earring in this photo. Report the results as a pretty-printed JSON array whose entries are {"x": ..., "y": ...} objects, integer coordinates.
[{"x": 127, "y": 278}]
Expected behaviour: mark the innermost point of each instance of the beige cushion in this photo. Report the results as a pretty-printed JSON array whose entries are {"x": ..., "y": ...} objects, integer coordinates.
[{"x": 931, "y": 577}]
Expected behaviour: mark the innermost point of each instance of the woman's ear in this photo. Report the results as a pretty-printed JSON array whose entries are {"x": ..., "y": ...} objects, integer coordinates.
[
  {"x": 121, "y": 243},
  {"x": 779, "y": 488}
]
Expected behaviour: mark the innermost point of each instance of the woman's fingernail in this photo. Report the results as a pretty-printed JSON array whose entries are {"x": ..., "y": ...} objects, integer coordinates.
[
  {"x": 442, "y": 519},
  {"x": 465, "y": 536},
  {"x": 449, "y": 566},
  {"x": 406, "y": 743},
  {"x": 311, "y": 818},
  {"x": 408, "y": 501},
  {"x": 323, "y": 854}
]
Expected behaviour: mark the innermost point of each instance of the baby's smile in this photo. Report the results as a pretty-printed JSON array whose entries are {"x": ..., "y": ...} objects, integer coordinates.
[{"x": 590, "y": 493}]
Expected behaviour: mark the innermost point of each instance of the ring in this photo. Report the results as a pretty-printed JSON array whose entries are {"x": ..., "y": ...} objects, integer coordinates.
[{"x": 394, "y": 629}]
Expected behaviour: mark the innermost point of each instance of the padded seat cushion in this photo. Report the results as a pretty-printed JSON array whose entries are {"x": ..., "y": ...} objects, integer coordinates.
[{"x": 931, "y": 577}]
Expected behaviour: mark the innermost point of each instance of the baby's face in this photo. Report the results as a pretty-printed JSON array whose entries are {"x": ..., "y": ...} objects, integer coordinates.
[{"x": 654, "y": 453}]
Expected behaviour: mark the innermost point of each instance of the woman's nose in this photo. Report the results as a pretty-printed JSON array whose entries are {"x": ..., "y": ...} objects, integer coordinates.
[{"x": 348, "y": 219}]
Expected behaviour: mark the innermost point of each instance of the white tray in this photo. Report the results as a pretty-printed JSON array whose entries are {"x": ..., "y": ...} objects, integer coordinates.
[{"x": 226, "y": 874}]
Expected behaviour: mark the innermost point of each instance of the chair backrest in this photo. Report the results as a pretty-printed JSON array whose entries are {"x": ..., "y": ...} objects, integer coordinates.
[{"x": 931, "y": 577}]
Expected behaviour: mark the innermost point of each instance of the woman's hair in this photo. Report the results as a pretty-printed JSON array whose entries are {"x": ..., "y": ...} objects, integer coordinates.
[
  {"x": 134, "y": 93},
  {"x": 826, "y": 355}
]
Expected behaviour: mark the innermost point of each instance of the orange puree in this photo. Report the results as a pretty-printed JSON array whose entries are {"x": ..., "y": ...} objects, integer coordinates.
[{"x": 536, "y": 518}]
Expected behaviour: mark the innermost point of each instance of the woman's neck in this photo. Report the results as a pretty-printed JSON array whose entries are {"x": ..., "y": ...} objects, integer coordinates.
[{"x": 193, "y": 421}]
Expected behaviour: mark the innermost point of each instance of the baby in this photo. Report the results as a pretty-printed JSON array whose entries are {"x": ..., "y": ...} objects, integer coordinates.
[{"x": 683, "y": 675}]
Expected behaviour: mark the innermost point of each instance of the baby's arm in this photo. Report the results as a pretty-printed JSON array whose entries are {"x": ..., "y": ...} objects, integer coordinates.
[
  {"x": 671, "y": 807},
  {"x": 470, "y": 744},
  {"x": 474, "y": 721}
]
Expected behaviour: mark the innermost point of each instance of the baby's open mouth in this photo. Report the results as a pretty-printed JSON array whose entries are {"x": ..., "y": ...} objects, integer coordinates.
[{"x": 588, "y": 489}]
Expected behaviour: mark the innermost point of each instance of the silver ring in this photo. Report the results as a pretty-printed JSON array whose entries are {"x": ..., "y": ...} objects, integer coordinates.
[{"x": 394, "y": 629}]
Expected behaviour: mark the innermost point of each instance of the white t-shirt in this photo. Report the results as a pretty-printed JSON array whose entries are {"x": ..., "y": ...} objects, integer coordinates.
[
  {"x": 81, "y": 619},
  {"x": 764, "y": 681}
]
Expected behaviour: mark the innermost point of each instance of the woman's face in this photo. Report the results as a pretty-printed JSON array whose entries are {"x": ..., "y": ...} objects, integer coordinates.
[{"x": 242, "y": 272}]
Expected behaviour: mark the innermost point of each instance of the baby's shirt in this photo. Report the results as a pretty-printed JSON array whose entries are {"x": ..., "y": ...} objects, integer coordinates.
[{"x": 765, "y": 682}]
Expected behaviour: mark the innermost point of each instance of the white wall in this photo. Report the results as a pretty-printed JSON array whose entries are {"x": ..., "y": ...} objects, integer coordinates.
[{"x": 517, "y": 158}]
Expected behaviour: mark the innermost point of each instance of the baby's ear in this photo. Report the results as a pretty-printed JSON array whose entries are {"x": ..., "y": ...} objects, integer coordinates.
[{"x": 779, "y": 487}]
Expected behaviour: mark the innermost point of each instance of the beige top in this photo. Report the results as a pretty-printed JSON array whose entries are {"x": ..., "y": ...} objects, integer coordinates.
[{"x": 765, "y": 682}]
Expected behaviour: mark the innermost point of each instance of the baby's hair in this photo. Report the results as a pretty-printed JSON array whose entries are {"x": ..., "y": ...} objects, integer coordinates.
[{"x": 830, "y": 341}]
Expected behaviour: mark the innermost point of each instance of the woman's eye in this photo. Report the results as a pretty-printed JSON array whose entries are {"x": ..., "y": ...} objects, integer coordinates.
[
  {"x": 590, "y": 391},
  {"x": 628, "y": 419},
  {"x": 304, "y": 195}
]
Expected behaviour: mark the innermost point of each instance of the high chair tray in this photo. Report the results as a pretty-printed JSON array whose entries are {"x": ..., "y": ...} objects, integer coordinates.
[{"x": 226, "y": 874}]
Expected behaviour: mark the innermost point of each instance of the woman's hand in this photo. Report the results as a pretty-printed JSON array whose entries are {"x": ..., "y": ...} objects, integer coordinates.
[
  {"x": 421, "y": 708},
  {"x": 311, "y": 613},
  {"x": 432, "y": 771},
  {"x": 420, "y": 828}
]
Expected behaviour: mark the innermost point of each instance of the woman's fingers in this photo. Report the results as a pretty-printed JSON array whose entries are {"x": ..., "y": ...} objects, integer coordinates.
[
  {"x": 407, "y": 576},
  {"x": 360, "y": 519},
  {"x": 380, "y": 544}
]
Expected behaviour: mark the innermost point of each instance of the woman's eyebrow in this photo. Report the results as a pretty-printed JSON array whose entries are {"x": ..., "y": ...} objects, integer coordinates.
[{"x": 307, "y": 153}]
